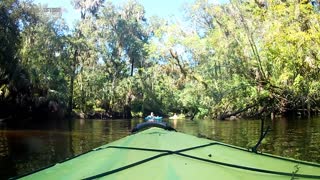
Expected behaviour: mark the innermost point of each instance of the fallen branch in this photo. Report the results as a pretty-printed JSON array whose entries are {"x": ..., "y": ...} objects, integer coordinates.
[{"x": 227, "y": 115}]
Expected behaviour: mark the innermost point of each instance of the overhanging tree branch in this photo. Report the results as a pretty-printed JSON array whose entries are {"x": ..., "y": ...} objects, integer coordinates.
[{"x": 250, "y": 39}]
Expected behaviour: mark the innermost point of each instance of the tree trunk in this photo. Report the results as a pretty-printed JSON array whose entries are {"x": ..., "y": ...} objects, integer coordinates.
[
  {"x": 72, "y": 82},
  {"x": 71, "y": 94},
  {"x": 132, "y": 62}
]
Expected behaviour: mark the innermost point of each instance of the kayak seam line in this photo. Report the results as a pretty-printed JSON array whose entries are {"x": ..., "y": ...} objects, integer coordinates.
[
  {"x": 215, "y": 143},
  {"x": 292, "y": 160},
  {"x": 139, "y": 149},
  {"x": 157, "y": 150},
  {"x": 50, "y": 165},
  {"x": 143, "y": 161},
  {"x": 126, "y": 167},
  {"x": 270, "y": 155},
  {"x": 178, "y": 152},
  {"x": 249, "y": 168}
]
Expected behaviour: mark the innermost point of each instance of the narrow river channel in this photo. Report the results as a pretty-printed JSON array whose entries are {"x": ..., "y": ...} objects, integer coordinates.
[{"x": 26, "y": 149}]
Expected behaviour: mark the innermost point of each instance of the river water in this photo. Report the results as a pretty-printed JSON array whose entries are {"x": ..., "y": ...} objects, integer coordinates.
[{"x": 26, "y": 149}]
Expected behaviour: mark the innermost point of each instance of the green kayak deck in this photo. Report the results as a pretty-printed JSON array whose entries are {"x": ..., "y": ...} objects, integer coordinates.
[{"x": 159, "y": 154}]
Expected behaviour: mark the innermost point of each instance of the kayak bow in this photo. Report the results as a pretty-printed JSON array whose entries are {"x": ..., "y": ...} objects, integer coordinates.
[
  {"x": 149, "y": 124},
  {"x": 157, "y": 153}
]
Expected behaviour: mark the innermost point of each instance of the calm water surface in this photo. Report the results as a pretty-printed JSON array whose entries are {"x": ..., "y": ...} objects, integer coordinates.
[{"x": 27, "y": 149}]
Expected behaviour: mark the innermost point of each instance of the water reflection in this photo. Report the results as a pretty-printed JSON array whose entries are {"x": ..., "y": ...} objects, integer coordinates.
[
  {"x": 25, "y": 150},
  {"x": 294, "y": 138},
  {"x": 37, "y": 146}
]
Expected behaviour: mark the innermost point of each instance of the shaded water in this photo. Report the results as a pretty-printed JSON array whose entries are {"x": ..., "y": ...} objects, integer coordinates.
[{"x": 27, "y": 149}]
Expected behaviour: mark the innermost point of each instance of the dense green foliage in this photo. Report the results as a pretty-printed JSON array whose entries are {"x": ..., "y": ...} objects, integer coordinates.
[{"x": 240, "y": 58}]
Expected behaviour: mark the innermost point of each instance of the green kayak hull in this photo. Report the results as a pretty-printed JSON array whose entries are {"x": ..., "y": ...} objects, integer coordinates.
[{"x": 156, "y": 153}]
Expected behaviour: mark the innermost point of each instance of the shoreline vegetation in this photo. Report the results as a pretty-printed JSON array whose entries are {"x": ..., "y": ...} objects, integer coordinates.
[{"x": 226, "y": 61}]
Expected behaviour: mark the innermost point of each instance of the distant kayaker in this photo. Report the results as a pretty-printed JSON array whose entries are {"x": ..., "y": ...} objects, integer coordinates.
[
  {"x": 174, "y": 116},
  {"x": 151, "y": 117}
]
